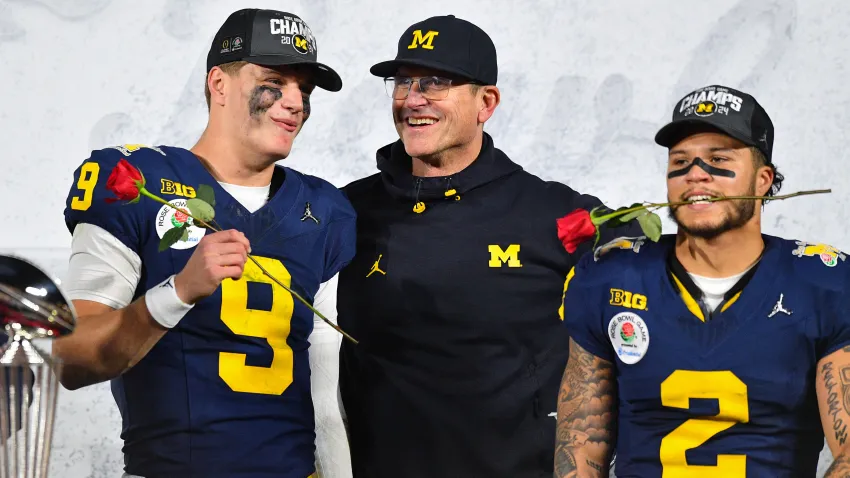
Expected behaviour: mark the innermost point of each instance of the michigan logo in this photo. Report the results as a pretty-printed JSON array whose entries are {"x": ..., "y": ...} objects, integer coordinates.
[
  {"x": 624, "y": 298},
  {"x": 425, "y": 40},
  {"x": 509, "y": 256},
  {"x": 706, "y": 108},
  {"x": 300, "y": 44},
  {"x": 630, "y": 243},
  {"x": 828, "y": 254}
]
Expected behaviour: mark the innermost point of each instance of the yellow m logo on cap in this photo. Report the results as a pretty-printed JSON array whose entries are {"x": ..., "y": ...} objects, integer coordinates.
[
  {"x": 301, "y": 43},
  {"x": 424, "y": 40},
  {"x": 705, "y": 107}
]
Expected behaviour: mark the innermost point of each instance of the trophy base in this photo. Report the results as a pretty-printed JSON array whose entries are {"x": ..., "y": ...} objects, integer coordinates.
[{"x": 29, "y": 389}]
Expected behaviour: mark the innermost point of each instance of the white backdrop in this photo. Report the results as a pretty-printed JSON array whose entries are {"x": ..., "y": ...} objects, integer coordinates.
[{"x": 585, "y": 84}]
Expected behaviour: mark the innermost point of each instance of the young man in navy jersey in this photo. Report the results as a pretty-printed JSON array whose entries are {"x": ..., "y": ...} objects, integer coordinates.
[{"x": 210, "y": 360}]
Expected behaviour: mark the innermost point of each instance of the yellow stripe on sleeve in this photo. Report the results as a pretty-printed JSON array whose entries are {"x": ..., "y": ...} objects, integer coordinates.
[{"x": 564, "y": 295}]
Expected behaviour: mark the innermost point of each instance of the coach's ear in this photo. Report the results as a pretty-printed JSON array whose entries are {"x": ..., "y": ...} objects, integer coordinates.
[{"x": 489, "y": 98}]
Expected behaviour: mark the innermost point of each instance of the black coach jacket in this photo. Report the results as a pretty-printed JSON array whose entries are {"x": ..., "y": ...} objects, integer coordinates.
[{"x": 456, "y": 309}]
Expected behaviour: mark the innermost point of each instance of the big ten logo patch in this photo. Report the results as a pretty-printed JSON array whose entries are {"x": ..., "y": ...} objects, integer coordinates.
[
  {"x": 710, "y": 100},
  {"x": 509, "y": 256},
  {"x": 177, "y": 189},
  {"x": 426, "y": 40},
  {"x": 624, "y": 298}
]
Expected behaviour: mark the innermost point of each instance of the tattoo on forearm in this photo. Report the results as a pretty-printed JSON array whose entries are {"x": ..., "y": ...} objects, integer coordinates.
[
  {"x": 595, "y": 466},
  {"x": 845, "y": 388},
  {"x": 565, "y": 463},
  {"x": 840, "y": 468},
  {"x": 586, "y": 411},
  {"x": 833, "y": 403}
]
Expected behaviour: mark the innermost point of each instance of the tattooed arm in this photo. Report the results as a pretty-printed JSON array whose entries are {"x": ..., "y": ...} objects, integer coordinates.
[
  {"x": 833, "y": 390},
  {"x": 587, "y": 414}
]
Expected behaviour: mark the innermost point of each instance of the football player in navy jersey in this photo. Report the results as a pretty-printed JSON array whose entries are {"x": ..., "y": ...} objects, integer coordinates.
[
  {"x": 209, "y": 360},
  {"x": 719, "y": 351}
]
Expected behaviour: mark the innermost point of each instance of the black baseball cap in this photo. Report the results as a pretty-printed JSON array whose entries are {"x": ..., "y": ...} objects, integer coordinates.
[
  {"x": 730, "y": 111},
  {"x": 270, "y": 38},
  {"x": 448, "y": 44}
]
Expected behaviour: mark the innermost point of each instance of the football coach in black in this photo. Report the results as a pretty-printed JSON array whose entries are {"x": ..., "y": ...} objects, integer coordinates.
[{"x": 455, "y": 288}]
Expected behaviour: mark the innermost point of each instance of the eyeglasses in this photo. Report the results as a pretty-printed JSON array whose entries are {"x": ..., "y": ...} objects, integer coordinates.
[{"x": 431, "y": 87}]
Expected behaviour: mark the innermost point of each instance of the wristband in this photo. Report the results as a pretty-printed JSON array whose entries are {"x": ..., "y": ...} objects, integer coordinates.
[{"x": 164, "y": 304}]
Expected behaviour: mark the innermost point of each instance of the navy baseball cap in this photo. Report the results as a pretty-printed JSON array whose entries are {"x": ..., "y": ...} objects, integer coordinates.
[
  {"x": 447, "y": 44},
  {"x": 727, "y": 110},
  {"x": 270, "y": 38}
]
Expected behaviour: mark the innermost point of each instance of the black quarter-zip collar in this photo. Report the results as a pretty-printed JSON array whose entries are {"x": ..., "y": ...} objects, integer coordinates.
[{"x": 396, "y": 173}]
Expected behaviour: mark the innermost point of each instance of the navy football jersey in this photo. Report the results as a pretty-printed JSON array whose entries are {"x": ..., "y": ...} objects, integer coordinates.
[
  {"x": 227, "y": 391},
  {"x": 728, "y": 393}
]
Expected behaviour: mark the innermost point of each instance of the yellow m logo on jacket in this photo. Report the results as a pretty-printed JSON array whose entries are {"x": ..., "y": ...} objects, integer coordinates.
[{"x": 509, "y": 256}]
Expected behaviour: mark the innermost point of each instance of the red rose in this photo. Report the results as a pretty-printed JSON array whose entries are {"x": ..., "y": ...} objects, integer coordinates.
[
  {"x": 125, "y": 181},
  {"x": 575, "y": 228}
]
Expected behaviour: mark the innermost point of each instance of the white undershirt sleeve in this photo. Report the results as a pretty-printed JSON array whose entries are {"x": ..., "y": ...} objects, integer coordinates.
[
  {"x": 101, "y": 268},
  {"x": 332, "y": 453},
  {"x": 105, "y": 270}
]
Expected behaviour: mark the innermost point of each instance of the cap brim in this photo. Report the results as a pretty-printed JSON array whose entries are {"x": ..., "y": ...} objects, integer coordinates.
[
  {"x": 390, "y": 68},
  {"x": 324, "y": 76},
  {"x": 673, "y": 132}
]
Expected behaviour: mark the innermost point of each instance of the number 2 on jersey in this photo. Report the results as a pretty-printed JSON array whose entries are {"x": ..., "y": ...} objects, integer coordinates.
[
  {"x": 87, "y": 182},
  {"x": 731, "y": 395},
  {"x": 272, "y": 325}
]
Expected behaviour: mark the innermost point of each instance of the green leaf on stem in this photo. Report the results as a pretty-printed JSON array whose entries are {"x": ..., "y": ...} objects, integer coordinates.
[
  {"x": 618, "y": 218},
  {"x": 651, "y": 225},
  {"x": 206, "y": 194},
  {"x": 171, "y": 237},
  {"x": 201, "y": 209},
  {"x": 597, "y": 215},
  {"x": 633, "y": 215},
  {"x": 185, "y": 236}
]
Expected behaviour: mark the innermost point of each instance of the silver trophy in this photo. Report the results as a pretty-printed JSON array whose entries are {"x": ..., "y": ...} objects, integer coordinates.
[{"x": 32, "y": 309}]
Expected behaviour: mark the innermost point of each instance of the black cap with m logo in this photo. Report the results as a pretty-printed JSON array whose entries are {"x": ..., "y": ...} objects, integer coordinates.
[
  {"x": 270, "y": 38},
  {"x": 727, "y": 110},
  {"x": 446, "y": 44}
]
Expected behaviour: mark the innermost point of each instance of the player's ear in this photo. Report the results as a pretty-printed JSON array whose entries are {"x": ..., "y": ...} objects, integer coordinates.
[
  {"x": 216, "y": 80},
  {"x": 764, "y": 179}
]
